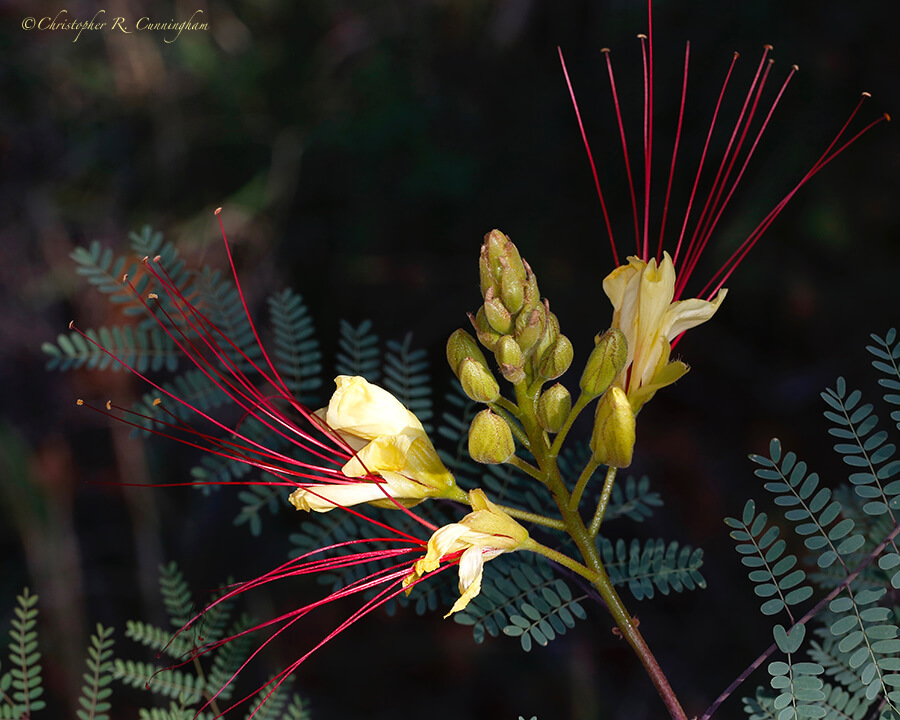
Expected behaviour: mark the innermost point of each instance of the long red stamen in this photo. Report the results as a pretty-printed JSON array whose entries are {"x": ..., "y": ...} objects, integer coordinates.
[
  {"x": 662, "y": 229},
  {"x": 587, "y": 148},
  {"x": 615, "y": 95}
]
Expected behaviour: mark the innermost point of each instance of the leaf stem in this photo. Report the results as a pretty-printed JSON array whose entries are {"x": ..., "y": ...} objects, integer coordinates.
[{"x": 603, "y": 503}]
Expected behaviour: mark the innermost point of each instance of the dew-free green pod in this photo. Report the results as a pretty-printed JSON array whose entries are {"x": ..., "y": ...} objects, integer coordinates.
[
  {"x": 490, "y": 439},
  {"x": 553, "y": 408}
]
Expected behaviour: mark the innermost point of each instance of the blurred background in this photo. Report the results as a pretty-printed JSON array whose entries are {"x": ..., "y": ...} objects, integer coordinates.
[{"x": 361, "y": 150}]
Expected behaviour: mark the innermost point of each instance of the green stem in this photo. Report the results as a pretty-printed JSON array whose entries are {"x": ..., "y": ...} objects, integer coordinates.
[
  {"x": 586, "y": 475},
  {"x": 580, "y": 404},
  {"x": 508, "y": 405},
  {"x": 546, "y": 459},
  {"x": 533, "y": 517},
  {"x": 604, "y": 501},
  {"x": 513, "y": 425},
  {"x": 527, "y": 467}
]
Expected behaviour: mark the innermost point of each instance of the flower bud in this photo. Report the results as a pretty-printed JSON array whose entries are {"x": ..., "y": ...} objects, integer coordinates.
[
  {"x": 612, "y": 441},
  {"x": 530, "y": 328},
  {"x": 497, "y": 314},
  {"x": 486, "y": 334},
  {"x": 606, "y": 361},
  {"x": 557, "y": 359},
  {"x": 551, "y": 335},
  {"x": 532, "y": 296},
  {"x": 490, "y": 439},
  {"x": 554, "y": 407},
  {"x": 460, "y": 346},
  {"x": 477, "y": 381},
  {"x": 512, "y": 288},
  {"x": 509, "y": 357}
]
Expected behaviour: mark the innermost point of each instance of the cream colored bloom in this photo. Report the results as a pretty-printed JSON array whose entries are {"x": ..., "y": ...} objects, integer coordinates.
[
  {"x": 480, "y": 536},
  {"x": 389, "y": 442},
  {"x": 642, "y": 295}
]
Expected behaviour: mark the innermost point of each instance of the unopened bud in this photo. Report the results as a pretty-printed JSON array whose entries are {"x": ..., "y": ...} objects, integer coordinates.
[
  {"x": 532, "y": 296},
  {"x": 550, "y": 336},
  {"x": 557, "y": 359},
  {"x": 554, "y": 407},
  {"x": 512, "y": 289},
  {"x": 612, "y": 441},
  {"x": 607, "y": 359},
  {"x": 490, "y": 439},
  {"x": 461, "y": 345},
  {"x": 530, "y": 328},
  {"x": 497, "y": 314},
  {"x": 486, "y": 334},
  {"x": 478, "y": 382},
  {"x": 509, "y": 357}
]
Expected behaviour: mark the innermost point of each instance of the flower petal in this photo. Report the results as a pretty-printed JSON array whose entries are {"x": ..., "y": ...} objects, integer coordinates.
[{"x": 367, "y": 411}]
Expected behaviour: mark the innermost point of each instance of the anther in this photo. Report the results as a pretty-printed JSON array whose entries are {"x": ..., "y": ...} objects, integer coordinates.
[
  {"x": 153, "y": 296},
  {"x": 157, "y": 258},
  {"x": 736, "y": 54},
  {"x": 795, "y": 68},
  {"x": 79, "y": 401},
  {"x": 109, "y": 404},
  {"x": 768, "y": 47},
  {"x": 145, "y": 259},
  {"x": 71, "y": 324},
  {"x": 604, "y": 50},
  {"x": 641, "y": 36},
  {"x": 125, "y": 278},
  {"x": 887, "y": 117},
  {"x": 157, "y": 401},
  {"x": 866, "y": 94},
  {"x": 218, "y": 210}
]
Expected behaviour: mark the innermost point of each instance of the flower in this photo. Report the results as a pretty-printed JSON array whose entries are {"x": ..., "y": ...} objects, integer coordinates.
[
  {"x": 642, "y": 296},
  {"x": 389, "y": 441},
  {"x": 646, "y": 293},
  {"x": 480, "y": 536}
]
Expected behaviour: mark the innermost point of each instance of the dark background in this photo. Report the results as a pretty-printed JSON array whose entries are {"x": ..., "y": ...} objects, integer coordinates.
[{"x": 361, "y": 150}]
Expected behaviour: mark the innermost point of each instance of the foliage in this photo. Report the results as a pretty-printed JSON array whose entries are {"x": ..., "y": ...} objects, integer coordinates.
[{"x": 843, "y": 532}]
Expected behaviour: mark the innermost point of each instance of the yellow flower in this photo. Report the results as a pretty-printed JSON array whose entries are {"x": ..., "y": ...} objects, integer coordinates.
[
  {"x": 389, "y": 442},
  {"x": 642, "y": 296},
  {"x": 483, "y": 534}
]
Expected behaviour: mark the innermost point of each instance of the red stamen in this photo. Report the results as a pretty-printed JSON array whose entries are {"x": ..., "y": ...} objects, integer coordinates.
[
  {"x": 662, "y": 229},
  {"x": 587, "y": 147}
]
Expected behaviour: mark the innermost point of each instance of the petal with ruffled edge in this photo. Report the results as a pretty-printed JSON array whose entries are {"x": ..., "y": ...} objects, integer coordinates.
[
  {"x": 323, "y": 498},
  {"x": 360, "y": 408}
]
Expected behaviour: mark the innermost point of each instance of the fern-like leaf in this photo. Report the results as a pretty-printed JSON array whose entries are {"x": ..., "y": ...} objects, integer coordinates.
[
  {"x": 522, "y": 599},
  {"x": 406, "y": 376},
  {"x": 655, "y": 565},
  {"x": 887, "y": 355},
  {"x": 143, "y": 350},
  {"x": 173, "y": 684},
  {"x": 772, "y": 571},
  {"x": 96, "y": 691},
  {"x": 25, "y": 675},
  {"x": 176, "y": 594},
  {"x": 358, "y": 351},
  {"x": 298, "y": 358},
  {"x": 800, "y": 689}
]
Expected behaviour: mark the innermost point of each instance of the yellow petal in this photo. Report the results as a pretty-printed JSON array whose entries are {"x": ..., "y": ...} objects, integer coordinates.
[
  {"x": 367, "y": 411},
  {"x": 323, "y": 498},
  {"x": 471, "y": 567},
  {"x": 686, "y": 314}
]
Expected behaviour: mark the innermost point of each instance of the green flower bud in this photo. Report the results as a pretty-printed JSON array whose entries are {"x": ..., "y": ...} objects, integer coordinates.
[
  {"x": 553, "y": 408},
  {"x": 509, "y": 357},
  {"x": 486, "y": 334},
  {"x": 557, "y": 359},
  {"x": 605, "y": 363},
  {"x": 478, "y": 382},
  {"x": 532, "y": 296},
  {"x": 497, "y": 314},
  {"x": 612, "y": 440},
  {"x": 460, "y": 346},
  {"x": 512, "y": 288},
  {"x": 551, "y": 335},
  {"x": 490, "y": 439},
  {"x": 530, "y": 327}
]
